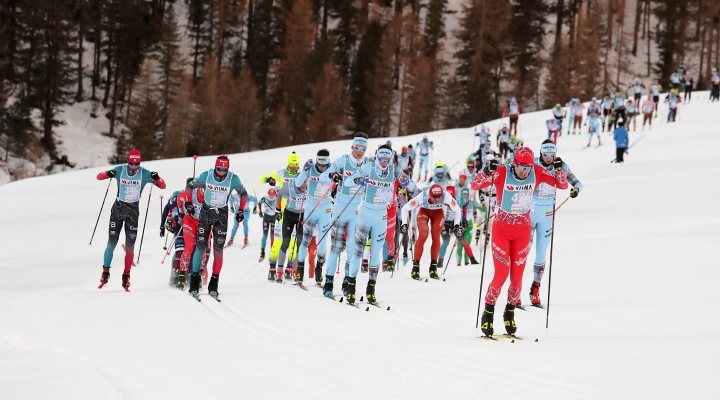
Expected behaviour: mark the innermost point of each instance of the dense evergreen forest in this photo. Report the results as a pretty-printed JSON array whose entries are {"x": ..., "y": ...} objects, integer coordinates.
[{"x": 183, "y": 77}]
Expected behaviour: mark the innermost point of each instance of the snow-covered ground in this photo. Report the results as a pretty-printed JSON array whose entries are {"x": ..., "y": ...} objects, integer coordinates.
[{"x": 634, "y": 281}]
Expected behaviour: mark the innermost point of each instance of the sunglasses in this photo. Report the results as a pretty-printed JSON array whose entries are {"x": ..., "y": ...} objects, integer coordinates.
[
  {"x": 359, "y": 148},
  {"x": 134, "y": 164},
  {"x": 323, "y": 165},
  {"x": 221, "y": 169},
  {"x": 524, "y": 167},
  {"x": 548, "y": 155},
  {"x": 384, "y": 159},
  {"x": 438, "y": 197}
]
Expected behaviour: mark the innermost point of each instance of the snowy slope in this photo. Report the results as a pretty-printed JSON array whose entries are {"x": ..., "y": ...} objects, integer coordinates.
[{"x": 632, "y": 317}]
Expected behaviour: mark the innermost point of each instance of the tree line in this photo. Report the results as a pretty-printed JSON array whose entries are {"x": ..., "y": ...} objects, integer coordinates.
[{"x": 183, "y": 77}]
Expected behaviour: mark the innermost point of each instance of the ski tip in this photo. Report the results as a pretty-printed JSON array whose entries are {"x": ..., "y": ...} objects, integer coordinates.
[
  {"x": 367, "y": 309},
  {"x": 341, "y": 299},
  {"x": 443, "y": 279},
  {"x": 361, "y": 299},
  {"x": 536, "y": 340},
  {"x": 426, "y": 280},
  {"x": 388, "y": 308}
]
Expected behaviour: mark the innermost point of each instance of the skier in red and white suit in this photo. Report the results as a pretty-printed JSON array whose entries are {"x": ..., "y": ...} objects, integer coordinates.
[{"x": 515, "y": 185}]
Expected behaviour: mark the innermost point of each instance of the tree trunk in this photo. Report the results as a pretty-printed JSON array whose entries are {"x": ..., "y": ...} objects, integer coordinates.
[
  {"x": 221, "y": 35},
  {"x": 79, "y": 95},
  {"x": 113, "y": 109},
  {"x": 608, "y": 45},
  {"x": 325, "y": 19},
  {"x": 108, "y": 65},
  {"x": 647, "y": 18},
  {"x": 621, "y": 23},
  {"x": 558, "y": 27},
  {"x": 47, "y": 139},
  {"x": 638, "y": 12}
]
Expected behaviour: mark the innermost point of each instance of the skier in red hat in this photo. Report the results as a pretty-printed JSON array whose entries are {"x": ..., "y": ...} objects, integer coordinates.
[
  {"x": 131, "y": 179},
  {"x": 515, "y": 185}
]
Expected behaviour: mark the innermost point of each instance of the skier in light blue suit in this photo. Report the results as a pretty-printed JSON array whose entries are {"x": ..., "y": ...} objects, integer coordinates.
[
  {"x": 377, "y": 181},
  {"x": 235, "y": 206},
  {"x": 542, "y": 212},
  {"x": 424, "y": 147},
  {"x": 319, "y": 185},
  {"x": 344, "y": 211}
]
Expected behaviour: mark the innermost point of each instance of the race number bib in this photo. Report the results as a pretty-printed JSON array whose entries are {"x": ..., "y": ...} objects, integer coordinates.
[
  {"x": 521, "y": 202},
  {"x": 321, "y": 188}
]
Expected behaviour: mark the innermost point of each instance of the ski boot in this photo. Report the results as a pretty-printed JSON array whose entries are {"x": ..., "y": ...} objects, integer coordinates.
[
  {"x": 300, "y": 273},
  {"x": 105, "y": 277},
  {"x": 279, "y": 275},
  {"x": 472, "y": 261},
  {"x": 318, "y": 272},
  {"x": 262, "y": 255},
  {"x": 328, "y": 288},
  {"x": 345, "y": 286},
  {"x": 271, "y": 273},
  {"x": 194, "y": 284},
  {"x": 182, "y": 277},
  {"x": 433, "y": 269},
  {"x": 213, "y": 286},
  {"x": 486, "y": 323},
  {"x": 416, "y": 270},
  {"x": 350, "y": 296},
  {"x": 365, "y": 265},
  {"x": 390, "y": 264},
  {"x": 288, "y": 273},
  {"x": 405, "y": 258},
  {"x": 535, "y": 294},
  {"x": 126, "y": 282},
  {"x": 509, "y": 319},
  {"x": 440, "y": 262},
  {"x": 370, "y": 292},
  {"x": 245, "y": 243},
  {"x": 230, "y": 242},
  {"x": 477, "y": 235},
  {"x": 384, "y": 266}
]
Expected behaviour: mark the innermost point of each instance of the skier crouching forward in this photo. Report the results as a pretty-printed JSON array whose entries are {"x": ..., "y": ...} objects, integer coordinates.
[{"x": 515, "y": 186}]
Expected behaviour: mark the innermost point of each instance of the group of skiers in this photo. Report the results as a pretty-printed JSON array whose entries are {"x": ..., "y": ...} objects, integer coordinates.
[{"x": 370, "y": 206}]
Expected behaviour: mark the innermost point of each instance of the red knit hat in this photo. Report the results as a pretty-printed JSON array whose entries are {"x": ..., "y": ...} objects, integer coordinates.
[
  {"x": 222, "y": 162},
  {"x": 524, "y": 156},
  {"x": 134, "y": 156},
  {"x": 436, "y": 190}
]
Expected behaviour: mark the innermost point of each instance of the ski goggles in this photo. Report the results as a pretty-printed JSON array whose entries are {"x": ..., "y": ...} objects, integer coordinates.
[
  {"x": 322, "y": 161},
  {"x": 384, "y": 155},
  {"x": 524, "y": 167},
  {"x": 223, "y": 170},
  {"x": 437, "y": 196},
  {"x": 359, "y": 147},
  {"x": 548, "y": 155},
  {"x": 134, "y": 164}
]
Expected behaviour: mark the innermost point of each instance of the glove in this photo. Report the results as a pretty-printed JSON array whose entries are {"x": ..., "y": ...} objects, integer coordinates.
[
  {"x": 464, "y": 222},
  {"x": 491, "y": 167},
  {"x": 262, "y": 215},
  {"x": 278, "y": 214},
  {"x": 404, "y": 228},
  {"x": 336, "y": 177},
  {"x": 154, "y": 175},
  {"x": 169, "y": 224},
  {"x": 404, "y": 182},
  {"x": 308, "y": 164},
  {"x": 361, "y": 182},
  {"x": 255, "y": 210},
  {"x": 458, "y": 230},
  {"x": 111, "y": 173},
  {"x": 162, "y": 231},
  {"x": 558, "y": 163},
  {"x": 475, "y": 212},
  {"x": 189, "y": 209},
  {"x": 239, "y": 217},
  {"x": 574, "y": 192}
]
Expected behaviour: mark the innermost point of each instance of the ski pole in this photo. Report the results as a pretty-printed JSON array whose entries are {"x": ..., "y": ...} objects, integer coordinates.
[
  {"x": 100, "y": 213},
  {"x": 162, "y": 222},
  {"x": 561, "y": 204},
  {"x": 319, "y": 202},
  {"x": 449, "y": 256},
  {"x": 482, "y": 273},
  {"x": 194, "y": 162},
  {"x": 171, "y": 246},
  {"x": 144, "y": 224},
  {"x": 552, "y": 240},
  {"x": 338, "y": 217}
]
